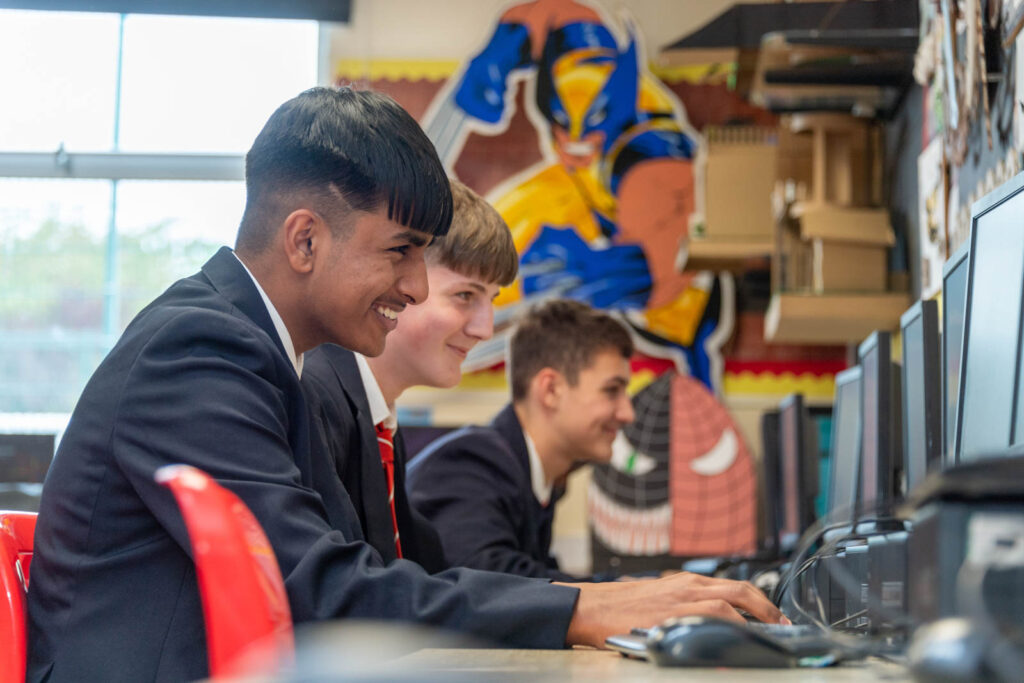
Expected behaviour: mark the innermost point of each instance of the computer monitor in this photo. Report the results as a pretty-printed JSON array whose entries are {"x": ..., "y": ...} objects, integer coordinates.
[
  {"x": 922, "y": 401},
  {"x": 954, "y": 304},
  {"x": 845, "y": 451},
  {"x": 417, "y": 437},
  {"x": 819, "y": 445},
  {"x": 991, "y": 346},
  {"x": 1017, "y": 439},
  {"x": 798, "y": 471},
  {"x": 771, "y": 502},
  {"x": 25, "y": 458},
  {"x": 880, "y": 424}
]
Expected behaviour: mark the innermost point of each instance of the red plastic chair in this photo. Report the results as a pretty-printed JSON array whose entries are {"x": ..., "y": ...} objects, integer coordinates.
[
  {"x": 245, "y": 607},
  {"x": 16, "y": 533}
]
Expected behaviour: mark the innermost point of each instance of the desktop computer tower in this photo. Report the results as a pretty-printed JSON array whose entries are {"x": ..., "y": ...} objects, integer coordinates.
[
  {"x": 833, "y": 591},
  {"x": 836, "y": 593},
  {"x": 948, "y": 533},
  {"x": 829, "y": 588},
  {"x": 815, "y": 594},
  {"x": 887, "y": 581},
  {"x": 856, "y": 574}
]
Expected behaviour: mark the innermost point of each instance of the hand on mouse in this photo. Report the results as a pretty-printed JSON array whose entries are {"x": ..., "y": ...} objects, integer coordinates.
[{"x": 606, "y": 609}]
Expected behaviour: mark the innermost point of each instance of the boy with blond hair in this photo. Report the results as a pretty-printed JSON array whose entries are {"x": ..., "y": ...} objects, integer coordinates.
[{"x": 352, "y": 397}]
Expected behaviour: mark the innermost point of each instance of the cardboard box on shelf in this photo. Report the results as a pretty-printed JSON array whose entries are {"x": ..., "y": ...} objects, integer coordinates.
[
  {"x": 842, "y": 152},
  {"x": 848, "y": 247},
  {"x": 846, "y": 267},
  {"x": 830, "y": 239},
  {"x": 795, "y": 161},
  {"x": 741, "y": 167}
]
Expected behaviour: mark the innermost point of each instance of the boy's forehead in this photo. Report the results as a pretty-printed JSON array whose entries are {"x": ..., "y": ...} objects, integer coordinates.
[
  {"x": 608, "y": 362},
  {"x": 468, "y": 277},
  {"x": 389, "y": 229}
]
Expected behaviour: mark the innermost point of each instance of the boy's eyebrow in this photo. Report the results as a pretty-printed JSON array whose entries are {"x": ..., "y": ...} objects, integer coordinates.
[
  {"x": 617, "y": 380},
  {"x": 415, "y": 238},
  {"x": 473, "y": 284}
]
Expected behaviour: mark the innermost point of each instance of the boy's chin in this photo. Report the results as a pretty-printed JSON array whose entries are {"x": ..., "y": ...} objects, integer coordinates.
[{"x": 452, "y": 380}]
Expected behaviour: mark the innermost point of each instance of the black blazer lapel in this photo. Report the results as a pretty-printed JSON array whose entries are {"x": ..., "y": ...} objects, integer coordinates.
[
  {"x": 229, "y": 277},
  {"x": 363, "y": 467},
  {"x": 537, "y": 526},
  {"x": 506, "y": 423}
]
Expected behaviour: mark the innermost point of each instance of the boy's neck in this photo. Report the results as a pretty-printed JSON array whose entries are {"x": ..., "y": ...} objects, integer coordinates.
[
  {"x": 546, "y": 440},
  {"x": 390, "y": 386}
]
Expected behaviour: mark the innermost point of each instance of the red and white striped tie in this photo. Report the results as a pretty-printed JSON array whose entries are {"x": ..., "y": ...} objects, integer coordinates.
[{"x": 386, "y": 444}]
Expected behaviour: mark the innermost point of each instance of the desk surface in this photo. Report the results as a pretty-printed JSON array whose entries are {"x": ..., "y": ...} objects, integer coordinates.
[{"x": 602, "y": 665}]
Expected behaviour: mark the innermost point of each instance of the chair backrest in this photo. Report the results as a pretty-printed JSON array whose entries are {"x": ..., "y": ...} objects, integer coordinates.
[
  {"x": 16, "y": 533},
  {"x": 245, "y": 607}
]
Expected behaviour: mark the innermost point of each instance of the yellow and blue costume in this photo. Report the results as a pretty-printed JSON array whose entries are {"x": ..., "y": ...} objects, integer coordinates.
[{"x": 605, "y": 115}]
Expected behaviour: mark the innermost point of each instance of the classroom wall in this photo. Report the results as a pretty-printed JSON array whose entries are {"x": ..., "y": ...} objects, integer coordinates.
[
  {"x": 402, "y": 29},
  {"x": 410, "y": 52}
]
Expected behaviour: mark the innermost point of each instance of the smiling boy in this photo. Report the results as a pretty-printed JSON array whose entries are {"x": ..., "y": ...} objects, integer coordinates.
[
  {"x": 491, "y": 491},
  {"x": 352, "y": 397}
]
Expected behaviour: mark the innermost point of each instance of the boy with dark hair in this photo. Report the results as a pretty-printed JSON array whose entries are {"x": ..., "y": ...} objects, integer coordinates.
[
  {"x": 352, "y": 397},
  {"x": 491, "y": 491},
  {"x": 344, "y": 194},
  {"x": 339, "y": 209}
]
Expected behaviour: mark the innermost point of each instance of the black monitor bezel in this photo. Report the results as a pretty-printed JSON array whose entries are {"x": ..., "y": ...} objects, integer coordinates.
[
  {"x": 771, "y": 464},
  {"x": 851, "y": 374},
  {"x": 927, "y": 311},
  {"x": 955, "y": 261},
  {"x": 880, "y": 342},
  {"x": 988, "y": 203},
  {"x": 794, "y": 402}
]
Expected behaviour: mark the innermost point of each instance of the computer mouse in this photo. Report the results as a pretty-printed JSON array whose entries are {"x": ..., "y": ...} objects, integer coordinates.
[{"x": 705, "y": 641}]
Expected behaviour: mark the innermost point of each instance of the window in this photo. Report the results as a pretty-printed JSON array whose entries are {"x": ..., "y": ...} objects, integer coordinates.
[
  {"x": 81, "y": 255},
  {"x": 202, "y": 84},
  {"x": 59, "y": 80}
]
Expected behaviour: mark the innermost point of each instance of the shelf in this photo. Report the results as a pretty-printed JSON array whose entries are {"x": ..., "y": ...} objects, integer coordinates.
[
  {"x": 797, "y": 318},
  {"x": 733, "y": 255},
  {"x": 712, "y": 249},
  {"x": 858, "y": 225}
]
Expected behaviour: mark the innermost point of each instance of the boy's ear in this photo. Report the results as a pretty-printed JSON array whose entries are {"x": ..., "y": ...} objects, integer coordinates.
[
  {"x": 548, "y": 386},
  {"x": 304, "y": 231}
]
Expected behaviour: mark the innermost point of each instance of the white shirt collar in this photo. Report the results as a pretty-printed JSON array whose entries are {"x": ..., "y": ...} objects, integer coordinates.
[
  {"x": 541, "y": 487},
  {"x": 379, "y": 409},
  {"x": 275, "y": 317}
]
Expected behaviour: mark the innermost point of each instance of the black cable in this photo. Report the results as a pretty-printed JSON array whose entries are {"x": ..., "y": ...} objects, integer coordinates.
[
  {"x": 819, "y": 529},
  {"x": 850, "y": 584},
  {"x": 864, "y": 645},
  {"x": 848, "y": 617},
  {"x": 804, "y": 544}
]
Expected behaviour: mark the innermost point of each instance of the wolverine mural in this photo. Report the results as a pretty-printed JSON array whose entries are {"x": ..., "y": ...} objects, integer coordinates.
[{"x": 604, "y": 218}]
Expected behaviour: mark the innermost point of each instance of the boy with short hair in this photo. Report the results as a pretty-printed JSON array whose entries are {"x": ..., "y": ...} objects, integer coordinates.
[{"x": 491, "y": 491}]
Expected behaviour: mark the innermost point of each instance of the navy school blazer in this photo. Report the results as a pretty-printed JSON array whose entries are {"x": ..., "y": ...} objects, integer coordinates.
[
  {"x": 200, "y": 377},
  {"x": 474, "y": 486},
  {"x": 340, "y": 413}
]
